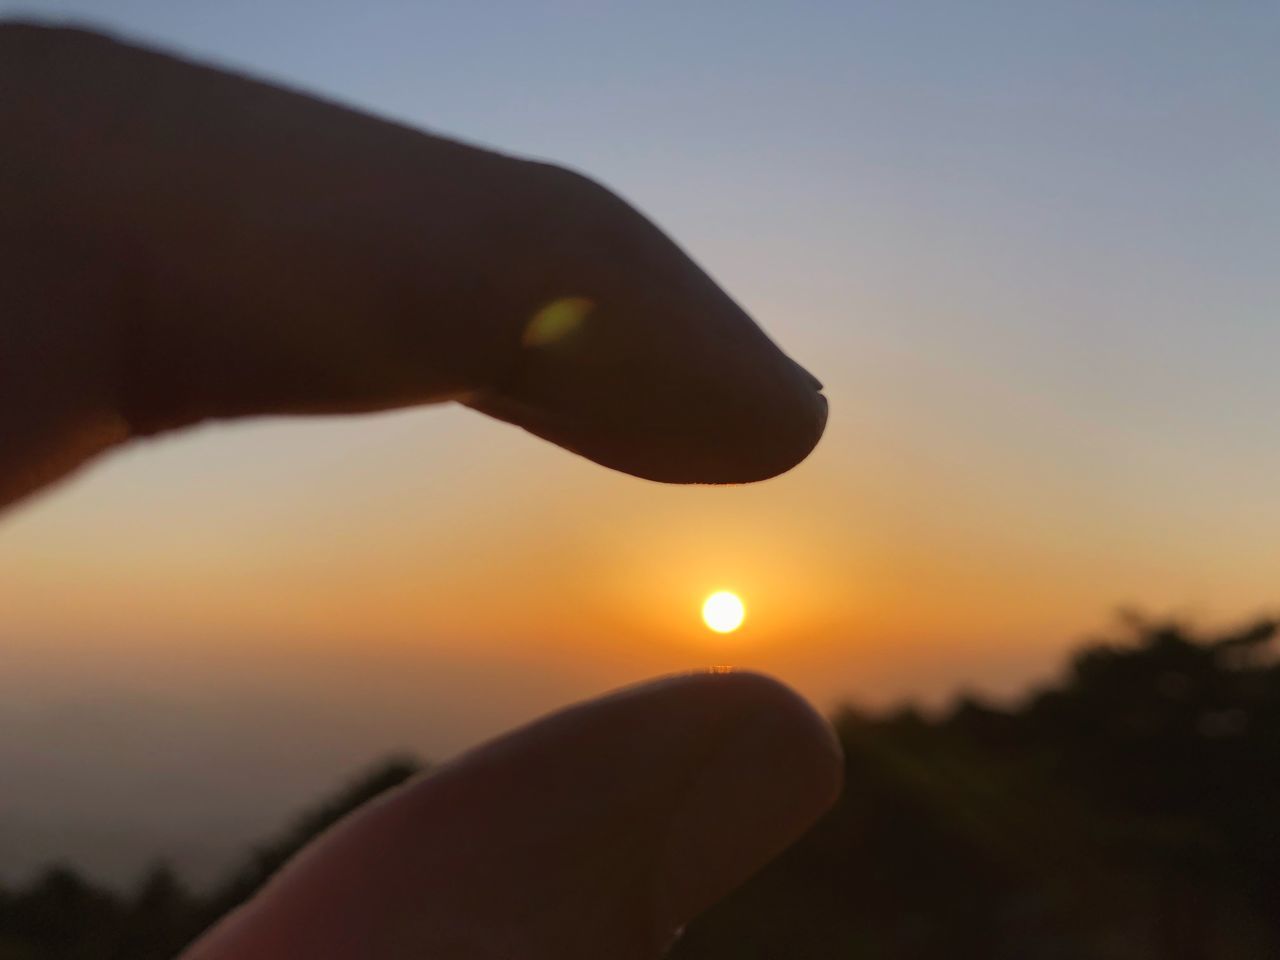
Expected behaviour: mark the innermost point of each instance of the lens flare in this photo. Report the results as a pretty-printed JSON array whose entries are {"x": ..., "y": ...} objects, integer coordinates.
[{"x": 556, "y": 320}]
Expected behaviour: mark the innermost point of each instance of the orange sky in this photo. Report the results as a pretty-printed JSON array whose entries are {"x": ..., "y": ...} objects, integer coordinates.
[
  {"x": 1029, "y": 250},
  {"x": 879, "y": 575}
]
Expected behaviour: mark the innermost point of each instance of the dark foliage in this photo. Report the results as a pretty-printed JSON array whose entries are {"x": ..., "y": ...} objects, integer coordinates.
[
  {"x": 1128, "y": 811},
  {"x": 62, "y": 917}
]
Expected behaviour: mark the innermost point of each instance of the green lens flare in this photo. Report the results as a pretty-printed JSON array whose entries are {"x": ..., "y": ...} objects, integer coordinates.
[{"x": 556, "y": 320}]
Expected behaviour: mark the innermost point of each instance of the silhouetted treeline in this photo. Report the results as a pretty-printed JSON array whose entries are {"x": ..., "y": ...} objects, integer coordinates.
[
  {"x": 1129, "y": 810},
  {"x": 63, "y": 917}
]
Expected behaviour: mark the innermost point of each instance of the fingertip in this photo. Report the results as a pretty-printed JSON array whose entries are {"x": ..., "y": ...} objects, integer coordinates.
[
  {"x": 778, "y": 769},
  {"x": 662, "y": 375},
  {"x": 596, "y": 831}
]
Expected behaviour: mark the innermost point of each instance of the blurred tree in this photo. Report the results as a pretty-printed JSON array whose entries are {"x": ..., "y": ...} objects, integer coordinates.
[
  {"x": 1125, "y": 811},
  {"x": 60, "y": 916},
  {"x": 158, "y": 921}
]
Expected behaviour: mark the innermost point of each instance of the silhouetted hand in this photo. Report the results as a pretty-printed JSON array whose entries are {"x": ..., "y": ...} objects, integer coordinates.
[{"x": 181, "y": 245}]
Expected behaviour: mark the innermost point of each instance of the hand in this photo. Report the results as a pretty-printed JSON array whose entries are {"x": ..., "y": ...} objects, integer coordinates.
[{"x": 181, "y": 245}]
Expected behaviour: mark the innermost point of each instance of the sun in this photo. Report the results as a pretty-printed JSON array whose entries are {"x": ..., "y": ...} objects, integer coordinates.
[{"x": 723, "y": 612}]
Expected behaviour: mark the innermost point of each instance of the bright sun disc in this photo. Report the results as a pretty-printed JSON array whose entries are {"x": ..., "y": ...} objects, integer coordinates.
[{"x": 723, "y": 612}]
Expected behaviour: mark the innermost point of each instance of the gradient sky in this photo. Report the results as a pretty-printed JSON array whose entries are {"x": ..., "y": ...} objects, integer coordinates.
[{"x": 1033, "y": 250}]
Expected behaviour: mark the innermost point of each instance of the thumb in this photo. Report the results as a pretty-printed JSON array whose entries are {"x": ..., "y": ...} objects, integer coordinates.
[{"x": 597, "y": 832}]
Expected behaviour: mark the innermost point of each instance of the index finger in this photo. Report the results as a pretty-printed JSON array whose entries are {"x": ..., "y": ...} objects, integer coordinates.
[{"x": 188, "y": 245}]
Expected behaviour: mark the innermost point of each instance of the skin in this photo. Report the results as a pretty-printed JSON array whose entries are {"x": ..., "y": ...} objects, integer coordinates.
[{"x": 181, "y": 244}]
